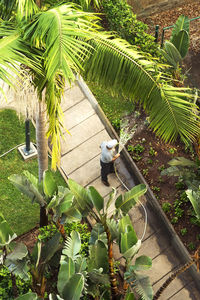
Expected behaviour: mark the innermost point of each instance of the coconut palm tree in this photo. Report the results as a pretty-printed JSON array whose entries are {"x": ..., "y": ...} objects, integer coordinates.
[{"x": 66, "y": 41}]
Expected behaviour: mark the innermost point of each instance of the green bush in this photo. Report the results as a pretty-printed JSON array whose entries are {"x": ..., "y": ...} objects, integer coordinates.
[
  {"x": 46, "y": 232},
  {"x": 166, "y": 206},
  {"x": 6, "y": 289},
  {"x": 122, "y": 20}
]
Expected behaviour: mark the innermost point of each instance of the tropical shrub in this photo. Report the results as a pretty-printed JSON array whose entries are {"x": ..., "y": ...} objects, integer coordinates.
[
  {"x": 47, "y": 232},
  {"x": 188, "y": 173},
  {"x": 6, "y": 287},
  {"x": 122, "y": 20},
  {"x": 176, "y": 49},
  {"x": 97, "y": 270}
]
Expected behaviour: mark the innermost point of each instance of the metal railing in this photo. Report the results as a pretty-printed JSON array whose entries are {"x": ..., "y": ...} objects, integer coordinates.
[{"x": 164, "y": 29}]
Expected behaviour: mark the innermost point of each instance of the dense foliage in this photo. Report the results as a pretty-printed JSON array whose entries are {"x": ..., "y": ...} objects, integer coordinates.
[
  {"x": 47, "y": 232},
  {"x": 6, "y": 288},
  {"x": 122, "y": 20}
]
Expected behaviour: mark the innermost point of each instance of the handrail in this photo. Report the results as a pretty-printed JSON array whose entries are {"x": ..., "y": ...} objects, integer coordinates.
[{"x": 166, "y": 28}]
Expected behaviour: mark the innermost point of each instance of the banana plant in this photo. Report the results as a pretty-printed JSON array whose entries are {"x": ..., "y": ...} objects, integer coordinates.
[
  {"x": 56, "y": 200},
  {"x": 21, "y": 262},
  {"x": 176, "y": 49},
  {"x": 180, "y": 35},
  {"x": 115, "y": 227}
]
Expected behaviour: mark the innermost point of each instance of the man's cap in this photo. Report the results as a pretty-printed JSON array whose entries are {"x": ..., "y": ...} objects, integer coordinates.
[{"x": 111, "y": 144}]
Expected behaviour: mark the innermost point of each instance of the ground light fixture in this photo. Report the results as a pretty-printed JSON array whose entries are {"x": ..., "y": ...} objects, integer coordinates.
[{"x": 28, "y": 150}]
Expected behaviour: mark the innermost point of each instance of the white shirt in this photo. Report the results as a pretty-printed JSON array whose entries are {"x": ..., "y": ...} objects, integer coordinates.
[{"x": 106, "y": 155}]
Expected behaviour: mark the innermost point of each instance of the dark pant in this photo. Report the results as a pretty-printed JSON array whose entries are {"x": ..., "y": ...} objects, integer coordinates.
[{"x": 106, "y": 168}]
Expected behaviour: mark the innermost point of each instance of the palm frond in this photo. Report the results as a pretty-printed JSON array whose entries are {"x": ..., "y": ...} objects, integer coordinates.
[
  {"x": 26, "y": 9},
  {"x": 6, "y": 8},
  {"x": 13, "y": 52},
  {"x": 61, "y": 30},
  {"x": 117, "y": 66}
]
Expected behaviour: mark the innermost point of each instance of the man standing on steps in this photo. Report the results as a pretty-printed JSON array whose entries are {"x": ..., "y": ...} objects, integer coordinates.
[{"x": 107, "y": 160}]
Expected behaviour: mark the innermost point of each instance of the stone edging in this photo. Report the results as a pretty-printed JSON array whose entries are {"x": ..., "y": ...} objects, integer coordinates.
[{"x": 131, "y": 166}]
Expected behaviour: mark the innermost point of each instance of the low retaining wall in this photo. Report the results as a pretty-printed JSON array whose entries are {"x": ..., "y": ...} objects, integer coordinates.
[{"x": 151, "y": 200}]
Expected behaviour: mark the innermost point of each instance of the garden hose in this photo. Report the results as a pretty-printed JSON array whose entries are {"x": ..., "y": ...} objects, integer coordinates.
[
  {"x": 10, "y": 150},
  {"x": 145, "y": 212}
]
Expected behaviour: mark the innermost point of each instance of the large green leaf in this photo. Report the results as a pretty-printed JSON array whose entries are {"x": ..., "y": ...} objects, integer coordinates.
[
  {"x": 73, "y": 214},
  {"x": 128, "y": 239},
  {"x": 182, "y": 161},
  {"x": 183, "y": 23},
  {"x": 142, "y": 263},
  {"x": 6, "y": 233},
  {"x": 181, "y": 42},
  {"x": 66, "y": 271},
  {"x": 98, "y": 233},
  {"x": 74, "y": 287},
  {"x": 129, "y": 254},
  {"x": 96, "y": 198},
  {"x": 194, "y": 198},
  {"x": 27, "y": 188},
  {"x": 18, "y": 267},
  {"x": 19, "y": 252},
  {"x": 81, "y": 196},
  {"x": 72, "y": 245},
  {"x": 113, "y": 228},
  {"x": 50, "y": 248},
  {"x": 130, "y": 198},
  {"x": 123, "y": 222},
  {"x": 66, "y": 203},
  {"x": 49, "y": 184},
  {"x": 99, "y": 256},
  {"x": 171, "y": 54},
  {"x": 28, "y": 296}
]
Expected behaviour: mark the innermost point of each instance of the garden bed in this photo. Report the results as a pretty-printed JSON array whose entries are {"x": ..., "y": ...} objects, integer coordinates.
[{"x": 151, "y": 155}]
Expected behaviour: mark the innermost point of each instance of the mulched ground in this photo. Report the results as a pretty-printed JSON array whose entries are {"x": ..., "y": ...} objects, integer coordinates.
[
  {"x": 191, "y": 64},
  {"x": 151, "y": 161}
]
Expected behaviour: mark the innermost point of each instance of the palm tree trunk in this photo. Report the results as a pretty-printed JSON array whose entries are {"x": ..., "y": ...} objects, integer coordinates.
[
  {"x": 42, "y": 148},
  {"x": 42, "y": 142},
  {"x": 171, "y": 278}
]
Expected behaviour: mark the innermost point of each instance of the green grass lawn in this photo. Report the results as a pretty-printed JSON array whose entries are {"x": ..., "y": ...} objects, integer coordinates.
[
  {"x": 16, "y": 208},
  {"x": 114, "y": 107}
]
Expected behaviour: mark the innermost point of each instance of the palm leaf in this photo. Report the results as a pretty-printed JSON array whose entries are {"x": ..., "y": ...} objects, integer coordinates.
[
  {"x": 116, "y": 65},
  {"x": 62, "y": 30},
  {"x": 26, "y": 9}
]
